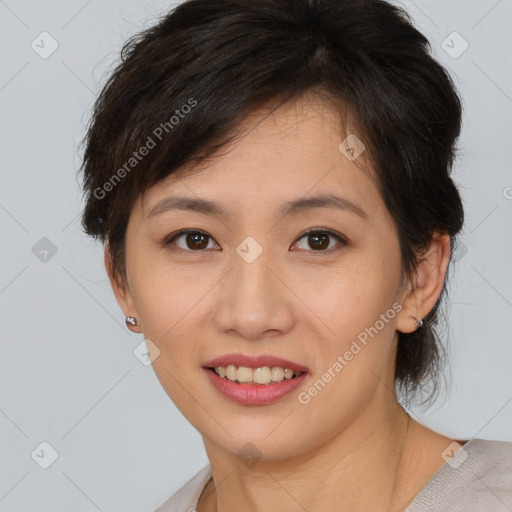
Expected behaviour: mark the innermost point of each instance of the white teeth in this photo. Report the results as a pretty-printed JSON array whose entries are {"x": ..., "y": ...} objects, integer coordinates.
[
  {"x": 230, "y": 371},
  {"x": 244, "y": 374},
  {"x": 277, "y": 374},
  {"x": 262, "y": 375}
]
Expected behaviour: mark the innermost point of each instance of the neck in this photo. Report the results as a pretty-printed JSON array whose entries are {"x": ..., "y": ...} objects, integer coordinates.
[{"x": 364, "y": 467}]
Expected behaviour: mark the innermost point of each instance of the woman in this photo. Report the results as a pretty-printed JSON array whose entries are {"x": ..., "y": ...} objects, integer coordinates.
[{"x": 272, "y": 184}]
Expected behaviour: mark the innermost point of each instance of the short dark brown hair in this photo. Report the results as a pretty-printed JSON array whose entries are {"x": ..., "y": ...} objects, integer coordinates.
[{"x": 184, "y": 85}]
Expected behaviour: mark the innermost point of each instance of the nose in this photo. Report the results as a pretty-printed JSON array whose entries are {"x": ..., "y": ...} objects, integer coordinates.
[{"x": 253, "y": 300}]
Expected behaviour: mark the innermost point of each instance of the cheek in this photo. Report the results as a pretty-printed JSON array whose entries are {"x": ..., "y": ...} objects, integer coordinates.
[
  {"x": 353, "y": 359},
  {"x": 359, "y": 308},
  {"x": 166, "y": 295},
  {"x": 355, "y": 297}
]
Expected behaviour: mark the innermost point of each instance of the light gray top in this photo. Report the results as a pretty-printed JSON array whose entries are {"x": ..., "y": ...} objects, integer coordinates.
[{"x": 477, "y": 478}]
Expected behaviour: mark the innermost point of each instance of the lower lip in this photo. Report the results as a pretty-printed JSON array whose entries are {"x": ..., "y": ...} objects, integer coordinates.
[{"x": 254, "y": 394}]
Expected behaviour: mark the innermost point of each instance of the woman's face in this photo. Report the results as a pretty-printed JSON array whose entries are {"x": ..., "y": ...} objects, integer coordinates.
[{"x": 255, "y": 283}]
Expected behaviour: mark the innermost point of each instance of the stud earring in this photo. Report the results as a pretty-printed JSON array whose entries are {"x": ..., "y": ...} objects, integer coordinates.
[
  {"x": 419, "y": 323},
  {"x": 131, "y": 321}
]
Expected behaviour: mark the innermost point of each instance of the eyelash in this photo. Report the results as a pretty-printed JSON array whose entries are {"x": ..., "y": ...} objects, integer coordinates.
[{"x": 171, "y": 238}]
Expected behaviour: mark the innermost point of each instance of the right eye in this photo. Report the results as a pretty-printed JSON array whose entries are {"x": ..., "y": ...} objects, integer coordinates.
[{"x": 193, "y": 240}]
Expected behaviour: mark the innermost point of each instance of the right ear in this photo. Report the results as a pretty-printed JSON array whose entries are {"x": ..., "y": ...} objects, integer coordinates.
[{"x": 120, "y": 288}]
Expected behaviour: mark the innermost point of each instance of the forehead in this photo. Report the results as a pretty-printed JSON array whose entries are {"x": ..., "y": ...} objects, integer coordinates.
[{"x": 297, "y": 150}]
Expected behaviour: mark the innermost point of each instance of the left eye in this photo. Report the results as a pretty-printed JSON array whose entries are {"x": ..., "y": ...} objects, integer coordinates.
[{"x": 319, "y": 240}]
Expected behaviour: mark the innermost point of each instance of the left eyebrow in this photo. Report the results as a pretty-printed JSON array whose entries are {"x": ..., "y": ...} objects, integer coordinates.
[
  {"x": 323, "y": 201},
  {"x": 291, "y": 207}
]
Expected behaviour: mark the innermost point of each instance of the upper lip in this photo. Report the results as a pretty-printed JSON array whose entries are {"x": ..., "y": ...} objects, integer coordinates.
[{"x": 254, "y": 362}]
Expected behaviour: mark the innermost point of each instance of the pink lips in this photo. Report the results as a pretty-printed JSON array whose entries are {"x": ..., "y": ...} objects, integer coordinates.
[{"x": 254, "y": 394}]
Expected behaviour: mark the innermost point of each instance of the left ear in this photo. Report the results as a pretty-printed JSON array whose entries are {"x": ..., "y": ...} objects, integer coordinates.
[{"x": 431, "y": 272}]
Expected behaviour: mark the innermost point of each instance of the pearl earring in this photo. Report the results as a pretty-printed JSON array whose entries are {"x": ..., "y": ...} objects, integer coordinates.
[{"x": 131, "y": 320}]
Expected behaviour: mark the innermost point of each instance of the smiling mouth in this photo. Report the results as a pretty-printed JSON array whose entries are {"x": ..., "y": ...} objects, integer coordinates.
[{"x": 263, "y": 375}]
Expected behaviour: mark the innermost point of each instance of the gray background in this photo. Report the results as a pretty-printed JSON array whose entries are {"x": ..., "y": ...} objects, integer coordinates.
[{"x": 68, "y": 374}]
